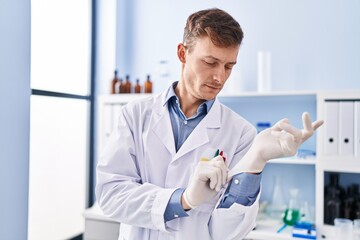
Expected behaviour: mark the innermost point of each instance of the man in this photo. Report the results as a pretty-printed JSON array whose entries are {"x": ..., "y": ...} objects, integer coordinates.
[{"x": 162, "y": 176}]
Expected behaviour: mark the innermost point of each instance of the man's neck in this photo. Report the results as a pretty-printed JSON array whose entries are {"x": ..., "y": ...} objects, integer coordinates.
[{"x": 188, "y": 103}]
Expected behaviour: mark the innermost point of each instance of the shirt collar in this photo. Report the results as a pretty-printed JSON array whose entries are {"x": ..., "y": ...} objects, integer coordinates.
[{"x": 171, "y": 94}]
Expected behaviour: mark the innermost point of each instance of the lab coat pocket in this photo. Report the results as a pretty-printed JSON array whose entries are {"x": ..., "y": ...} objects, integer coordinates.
[{"x": 234, "y": 222}]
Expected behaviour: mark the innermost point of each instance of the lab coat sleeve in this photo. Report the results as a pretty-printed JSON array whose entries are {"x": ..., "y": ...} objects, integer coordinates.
[
  {"x": 238, "y": 220},
  {"x": 119, "y": 191}
]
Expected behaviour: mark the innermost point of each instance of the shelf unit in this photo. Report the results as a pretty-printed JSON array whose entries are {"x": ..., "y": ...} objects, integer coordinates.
[
  {"x": 340, "y": 163},
  {"x": 272, "y": 107},
  {"x": 300, "y": 161}
]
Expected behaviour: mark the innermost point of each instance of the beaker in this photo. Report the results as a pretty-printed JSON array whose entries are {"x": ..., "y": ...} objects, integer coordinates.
[{"x": 343, "y": 228}]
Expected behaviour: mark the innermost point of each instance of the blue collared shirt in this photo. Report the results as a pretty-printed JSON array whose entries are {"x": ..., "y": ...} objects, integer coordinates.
[{"x": 243, "y": 188}]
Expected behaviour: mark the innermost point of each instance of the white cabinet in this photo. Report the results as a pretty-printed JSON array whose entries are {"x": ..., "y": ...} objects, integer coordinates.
[
  {"x": 109, "y": 107},
  {"x": 336, "y": 143},
  {"x": 99, "y": 227}
]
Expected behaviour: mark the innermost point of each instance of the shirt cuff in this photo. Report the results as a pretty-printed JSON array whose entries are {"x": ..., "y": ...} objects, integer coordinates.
[
  {"x": 243, "y": 189},
  {"x": 174, "y": 208}
]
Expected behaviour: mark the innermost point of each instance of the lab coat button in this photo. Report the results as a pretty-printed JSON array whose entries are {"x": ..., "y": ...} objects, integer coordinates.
[
  {"x": 236, "y": 181},
  {"x": 185, "y": 122}
]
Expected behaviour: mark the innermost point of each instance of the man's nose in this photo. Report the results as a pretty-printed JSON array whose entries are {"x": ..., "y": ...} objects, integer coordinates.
[{"x": 219, "y": 74}]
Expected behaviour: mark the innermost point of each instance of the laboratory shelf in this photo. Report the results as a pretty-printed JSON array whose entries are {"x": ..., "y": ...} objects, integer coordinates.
[
  {"x": 122, "y": 98},
  {"x": 266, "y": 229},
  {"x": 268, "y": 94},
  {"x": 292, "y": 160},
  {"x": 337, "y": 164}
]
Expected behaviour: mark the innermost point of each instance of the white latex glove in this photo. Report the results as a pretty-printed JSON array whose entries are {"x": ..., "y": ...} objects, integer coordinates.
[
  {"x": 281, "y": 140},
  {"x": 208, "y": 178}
]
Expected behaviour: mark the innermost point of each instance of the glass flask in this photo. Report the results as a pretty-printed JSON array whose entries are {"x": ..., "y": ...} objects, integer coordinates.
[
  {"x": 277, "y": 206},
  {"x": 292, "y": 212}
]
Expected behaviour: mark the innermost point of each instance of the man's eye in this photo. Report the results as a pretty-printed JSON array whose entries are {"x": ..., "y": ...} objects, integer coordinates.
[{"x": 210, "y": 63}]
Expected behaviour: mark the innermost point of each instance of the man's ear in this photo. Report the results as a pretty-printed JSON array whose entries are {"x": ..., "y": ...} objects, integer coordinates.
[{"x": 181, "y": 52}]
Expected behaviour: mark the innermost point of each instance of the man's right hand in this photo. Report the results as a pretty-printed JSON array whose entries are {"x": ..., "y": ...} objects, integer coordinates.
[{"x": 208, "y": 178}]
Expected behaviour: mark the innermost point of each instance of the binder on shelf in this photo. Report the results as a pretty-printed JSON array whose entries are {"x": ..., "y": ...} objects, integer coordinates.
[
  {"x": 357, "y": 129},
  {"x": 331, "y": 143},
  {"x": 346, "y": 128}
]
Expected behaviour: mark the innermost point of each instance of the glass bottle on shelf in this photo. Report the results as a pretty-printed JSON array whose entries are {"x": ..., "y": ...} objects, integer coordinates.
[
  {"x": 122, "y": 87},
  {"x": 114, "y": 83},
  {"x": 127, "y": 84},
  {"x": 292, "y": 212},
  {"x": 334, "y": 183},
  {"x": 148, "y": 85},
  {"x": 357, "y": 202},
  {"x": 333, "y": 206},
  {"x": 137, "y": 87},
  {"x": 357, "y": 209},
  {"x": 350, "y": 201}
]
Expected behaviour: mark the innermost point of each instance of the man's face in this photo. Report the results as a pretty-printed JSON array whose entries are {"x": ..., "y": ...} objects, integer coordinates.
[{"x": 207, "y": 67}]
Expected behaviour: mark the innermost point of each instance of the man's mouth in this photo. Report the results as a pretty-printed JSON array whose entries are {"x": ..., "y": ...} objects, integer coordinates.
[{"x": 214, "y": 86}]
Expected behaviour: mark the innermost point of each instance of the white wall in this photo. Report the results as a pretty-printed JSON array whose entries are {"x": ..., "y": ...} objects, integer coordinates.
[
  {"x": 14, "y": 117},
  {"x": 314, "y": 44},
  {"x": 105, "y": 43}
]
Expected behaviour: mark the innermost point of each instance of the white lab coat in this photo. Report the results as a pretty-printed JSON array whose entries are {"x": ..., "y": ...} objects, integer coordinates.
[{"x": 141, "y": 169}]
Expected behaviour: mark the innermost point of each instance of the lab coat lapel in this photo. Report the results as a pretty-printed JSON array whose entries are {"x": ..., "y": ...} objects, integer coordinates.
[
  {"x": 199, "y": 135},
  {"x": 162, "y": 126}
]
